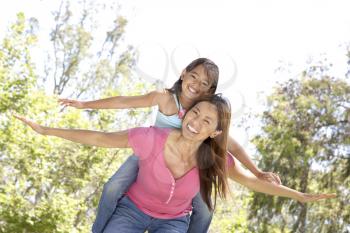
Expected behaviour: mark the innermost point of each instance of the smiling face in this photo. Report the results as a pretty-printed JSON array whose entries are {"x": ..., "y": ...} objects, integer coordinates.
[
  {"x": 201, "y": 122},
  {"x": 195, "y": 83},
  {"x": 206, "y": 125},
  {"x": 199, "y": 79}
]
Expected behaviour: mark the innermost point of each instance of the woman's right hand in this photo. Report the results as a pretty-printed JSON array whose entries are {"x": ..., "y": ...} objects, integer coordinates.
[
  {"x": 305, "y": 197},
  {"x": 71, "y": 103},
  {"x": 36, "y": 127}
]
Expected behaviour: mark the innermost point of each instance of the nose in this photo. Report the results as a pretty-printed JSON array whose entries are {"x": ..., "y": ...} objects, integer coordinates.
[
  {"x": 196, "y": 84},
  {"x": 195, "y": 122}
]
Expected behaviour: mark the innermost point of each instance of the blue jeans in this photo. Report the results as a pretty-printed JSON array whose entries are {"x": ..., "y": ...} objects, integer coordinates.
[
  {"x": 201, "y": 216},
  {"x": 120, "y": 182},
  {"x": 127, "y": 218}
]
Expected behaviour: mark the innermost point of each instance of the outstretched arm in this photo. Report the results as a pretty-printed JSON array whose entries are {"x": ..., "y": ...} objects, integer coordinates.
[
  {"x": 236, "y": 150},
  {"x": 244, "y": 177},
  {"x": 88, "y": 137},
  {"x": 118, "y": 102}
]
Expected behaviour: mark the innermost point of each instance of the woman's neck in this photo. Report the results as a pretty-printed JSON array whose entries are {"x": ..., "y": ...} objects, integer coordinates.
[{"x": 186, "y": 148}]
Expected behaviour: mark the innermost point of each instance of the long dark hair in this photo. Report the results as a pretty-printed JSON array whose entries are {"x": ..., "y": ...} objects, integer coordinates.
[
  {"x": 212, "y": 154},
  {"x": 211, "y": 69}
]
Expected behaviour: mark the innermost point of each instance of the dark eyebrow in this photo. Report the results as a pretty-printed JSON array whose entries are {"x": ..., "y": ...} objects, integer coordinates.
[
  {"x": 194, "y": 72},
  {"x": 206, "y": 80},
  {"x": 209, "y": 118}
]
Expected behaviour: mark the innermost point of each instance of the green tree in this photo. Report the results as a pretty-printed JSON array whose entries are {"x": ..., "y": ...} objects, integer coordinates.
[
  {"x": 16, "y": 69},
  {"x": 230, "y": 215},
  {"x": 305, "y": 138},
  {"x": 80, "y": 64},
  {"x": 48, "y": 184}
]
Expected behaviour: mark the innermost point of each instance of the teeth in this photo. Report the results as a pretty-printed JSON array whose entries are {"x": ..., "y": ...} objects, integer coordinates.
[
  {"x": 192, "y": 129},
  {"x": 192, "y": 90}
]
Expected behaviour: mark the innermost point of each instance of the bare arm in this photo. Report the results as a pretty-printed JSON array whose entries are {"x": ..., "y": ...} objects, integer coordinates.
[
  {"x": 244, "y": 177},
  {"x": 87, "y": 137},
  {"x": 118, "y": 102},
  {"x": 236, "y": 150}
]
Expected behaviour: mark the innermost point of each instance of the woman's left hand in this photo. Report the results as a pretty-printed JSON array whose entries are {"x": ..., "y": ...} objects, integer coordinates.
[
  {"x": 36, "y": 127},
  {"x": 305, "y": 197}
]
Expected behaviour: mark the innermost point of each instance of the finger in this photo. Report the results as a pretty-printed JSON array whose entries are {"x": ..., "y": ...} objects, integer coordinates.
[
  {"x": 24, "y": 120},
  {"x": 311, "y": 198},
  {"x": 318, "y": 197},
  {"x": 62, "y": 100},
  {"x": 277, "y": 178},
  {"x": 272, "y": 178},
  {"x": 265, "y": 177},
  {"x": 66, "y": 103},
  {"x": 269, "y": 178},
  {"x": 326, "y": 196},
  {"x": 19, "y": 117},
  {"x": 330, "y": 195},
  {"x": 321, "y": 196},
  {"x": 62, "y": 103}
]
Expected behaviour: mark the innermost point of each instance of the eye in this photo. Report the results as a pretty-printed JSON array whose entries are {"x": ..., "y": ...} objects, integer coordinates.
[
  {"x": 194, "y": 77},
  {"x": 207, "y": 122},
  {"x": 195, "y": 112},
  {"x": 205, "y": 84}
]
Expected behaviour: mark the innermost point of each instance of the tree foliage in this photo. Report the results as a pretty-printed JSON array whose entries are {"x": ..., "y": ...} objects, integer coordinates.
[
  {"x": 49, "y": 184},
  {"x": 16, "y": 69},
  {"x": 305, "y": 138}
]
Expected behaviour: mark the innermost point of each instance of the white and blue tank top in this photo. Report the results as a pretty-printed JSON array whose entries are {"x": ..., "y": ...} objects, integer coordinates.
[{"x": 165, "y": 121}]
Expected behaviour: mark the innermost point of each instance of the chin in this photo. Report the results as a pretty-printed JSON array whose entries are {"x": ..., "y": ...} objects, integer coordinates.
[
  {"x": 192, "y": 95},
  {"x": 195, "y": 98},
  {"x": 189, "y": 135}
]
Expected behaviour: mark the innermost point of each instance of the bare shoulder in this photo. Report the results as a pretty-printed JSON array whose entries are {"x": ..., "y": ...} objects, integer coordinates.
[
  {"x": 163, "y": 96},
  {"x": 167, "y": 104}
]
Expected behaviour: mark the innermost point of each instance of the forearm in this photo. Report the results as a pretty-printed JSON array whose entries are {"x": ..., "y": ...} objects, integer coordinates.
[
  {"x": 238, "y": 174},
  {"x": 121, "y": 102},
  {"x": 117, "y": 102},
  {"x": 261, "y": 186},
  {"x": 86, "y": 137},
  {"x": 237, "y": 151}
]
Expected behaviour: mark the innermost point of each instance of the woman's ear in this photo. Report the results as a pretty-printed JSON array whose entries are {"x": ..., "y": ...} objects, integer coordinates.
[{"x": 216, "y": 133}]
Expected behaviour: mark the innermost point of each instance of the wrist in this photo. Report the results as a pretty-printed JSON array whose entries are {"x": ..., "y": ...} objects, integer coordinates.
[
  {"x": 257, "y": 172},
  {"x": 45, "y": 131},
  {"x": 298, "y": 196}
]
